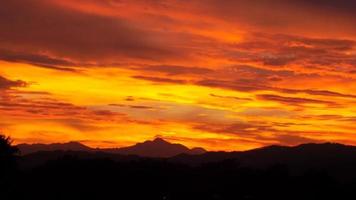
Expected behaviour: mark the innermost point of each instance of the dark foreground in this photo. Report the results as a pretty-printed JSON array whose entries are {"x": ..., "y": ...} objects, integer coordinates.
[{"x": 305, "y": 172}]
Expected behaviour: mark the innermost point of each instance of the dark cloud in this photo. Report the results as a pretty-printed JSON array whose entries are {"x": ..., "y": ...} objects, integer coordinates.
[
  {"x": 341, "y": 6},
  {"x": 330, "y": 117},
  {"x": 294, "y": 16},
  {"x": 38, "y": 106},
  {"x": 129, "y": 98},
  {"x": 81, "y": 125},
  {"x": 160, "y": 80},
  {"x": 255, "y": 129},
  {"x": 276, "y": 59},
  {"x": 244, "y": 129},
  {"x": 257, "y": 79},
  {"x": 39, "y": 26},
  {"x": 37, "y": 59},
  {"x": 174, "y": 70},
  {"x": 58, "y": 37},
  {"x": 231, "y": 97},
  {"x": 133, "y": 106},
  {"x": 48, "y": 108},
  {"x": 239, "y": 85},
  {"x": 117, "y": 105},
  {"x": 8, "y": 84},
  {"x": 318, "y": 93},
  {"x": 141, "y": 107},
  {"x": 293, "y": 100},
  {"x": 40, "y": 93},
  {"x": 280, "y": 50},
  {"x": 253, "y": 75},
  {"x": 247, "y": 128},
  {"x": 287, "y": 139}
]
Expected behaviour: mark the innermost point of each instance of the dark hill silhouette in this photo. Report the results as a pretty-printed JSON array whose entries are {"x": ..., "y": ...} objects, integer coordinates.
[
  {"x": 339, "y": 160},
  {"x": 274, "y": 153},
  {"x": 156, "y": 148},
  {"x": 41, "y": 157},
  {"x": 70, "y": 146},
  {"x": 308, "y": 171}
]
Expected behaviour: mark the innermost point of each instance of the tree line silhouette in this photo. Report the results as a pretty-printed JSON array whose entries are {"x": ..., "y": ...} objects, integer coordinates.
[{"x": 74, "y": 177}]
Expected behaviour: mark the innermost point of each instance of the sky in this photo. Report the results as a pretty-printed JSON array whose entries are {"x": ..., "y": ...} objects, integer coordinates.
[{"x": 223, "y": 75}]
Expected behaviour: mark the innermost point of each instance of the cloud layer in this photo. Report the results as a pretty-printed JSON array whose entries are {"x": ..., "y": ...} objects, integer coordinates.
[{"x": 232, "y": 76}]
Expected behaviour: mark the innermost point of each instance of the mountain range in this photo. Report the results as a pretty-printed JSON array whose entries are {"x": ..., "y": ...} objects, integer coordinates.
[
  {"x": 306, "y": 171},
  {"x": 336, "y": 159},
  {"x": 156, "y": 148}
]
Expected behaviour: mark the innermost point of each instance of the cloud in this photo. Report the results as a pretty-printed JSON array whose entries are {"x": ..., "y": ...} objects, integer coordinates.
[
  {"x": 8, "y": 84},
  {"x": 287, "y": 139},
  {"x": 174, "y": 70},
  {"x": 134, "y": 106},
  {"x": 61, "y": 37},
  {"x": 340, "y": 6},
  {"x": 239, "y": 85},
  {"x": 262, "y": 132},
  {"x": 318, "y": 93},
  {"x": 293, "y": 100},
  {"x": 251, "y": 79},
  {"x": 231, "y": 97},
  {"x": 281, "y": 49},
  {"x": 44, "y": 106},
  {"x": 64, "y": 33},
  {"x": 242, "y": 129},
  {"x": 330, "y": 117},
  {"x": 160, "y": 80},
  {"x": 37, "y": 59},
  {"x": 324, "y": 17},
  {"x": 141, "y": 107}
]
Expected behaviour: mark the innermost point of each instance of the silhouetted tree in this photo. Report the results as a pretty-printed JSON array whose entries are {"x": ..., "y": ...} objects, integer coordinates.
[
  {"x": 6, "y": 149},
  {"x": 8, "y": 155}
]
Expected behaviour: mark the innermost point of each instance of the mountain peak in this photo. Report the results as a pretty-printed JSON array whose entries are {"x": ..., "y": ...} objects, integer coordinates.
[
  {"x": 157, "y": 147},
  {"x": 159, "y": 140}
]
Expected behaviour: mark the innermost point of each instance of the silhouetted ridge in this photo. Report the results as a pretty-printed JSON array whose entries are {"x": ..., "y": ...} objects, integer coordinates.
[
  {"x": 156, "y": 148},
  {"x": 198, "y": 150},
  {"x": 70, "y": 146},
  {"x": 151, "y": 148},
  {"x": 308, "y": 171},
  {"x": 300, "y": 157}
]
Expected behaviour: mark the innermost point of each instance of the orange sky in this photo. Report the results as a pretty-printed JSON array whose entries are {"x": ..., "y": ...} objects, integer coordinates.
[{"x": 224, "y": 76}]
